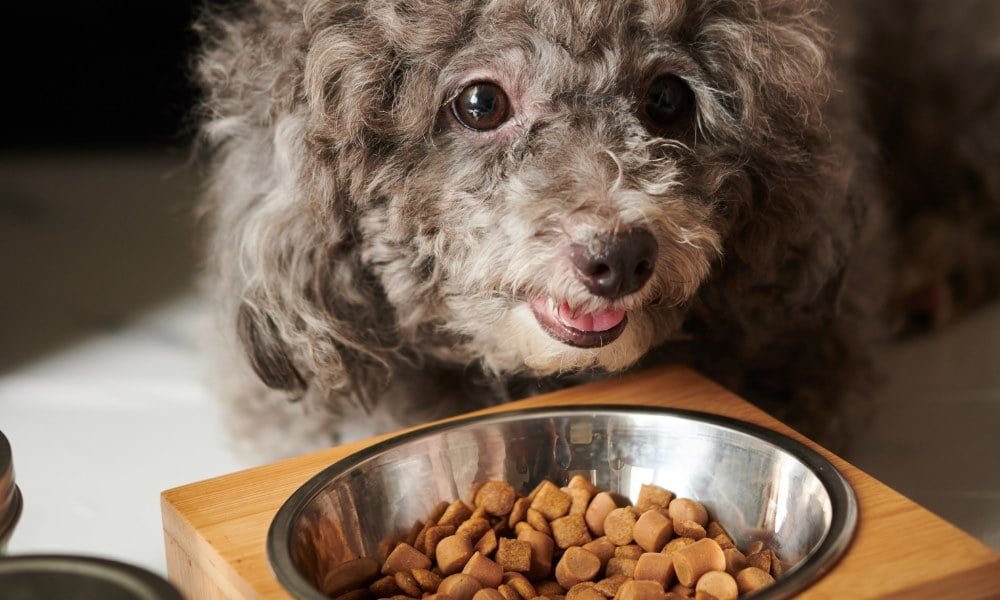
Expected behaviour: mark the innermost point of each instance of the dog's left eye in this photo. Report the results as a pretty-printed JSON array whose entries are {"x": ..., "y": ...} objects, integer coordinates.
[{"x": 481, "y": 106}]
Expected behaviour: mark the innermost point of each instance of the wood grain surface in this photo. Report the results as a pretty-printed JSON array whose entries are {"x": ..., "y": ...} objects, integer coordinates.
[{"x": 215, "y": 530}]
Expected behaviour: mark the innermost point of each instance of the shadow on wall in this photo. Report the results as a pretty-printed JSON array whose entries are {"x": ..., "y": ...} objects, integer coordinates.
[{"x": 88, "y": 240}]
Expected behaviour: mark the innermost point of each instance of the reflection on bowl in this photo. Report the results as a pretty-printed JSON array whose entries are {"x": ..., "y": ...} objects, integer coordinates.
[{"x": 758, "y": 484}]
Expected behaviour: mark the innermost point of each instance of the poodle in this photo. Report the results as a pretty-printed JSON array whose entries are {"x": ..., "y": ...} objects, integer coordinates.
[{"x": 422, "y": 207}]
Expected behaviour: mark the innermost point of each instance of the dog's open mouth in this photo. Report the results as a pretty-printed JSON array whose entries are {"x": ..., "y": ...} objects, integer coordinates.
[{"x": 581, "y": 330}]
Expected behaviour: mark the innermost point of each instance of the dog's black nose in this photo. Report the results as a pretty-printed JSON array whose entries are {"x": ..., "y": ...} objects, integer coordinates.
[{"x": 617, "y": 264}]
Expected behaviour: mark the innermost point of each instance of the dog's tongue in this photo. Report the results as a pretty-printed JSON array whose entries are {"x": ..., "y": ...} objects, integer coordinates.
[{"x": 601, "y": 320}]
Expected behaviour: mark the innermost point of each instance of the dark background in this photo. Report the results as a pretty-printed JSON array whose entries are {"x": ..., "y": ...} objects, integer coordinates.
[
  {"x": 97, "y": 74},
  {"x": 97, "y": 186}
]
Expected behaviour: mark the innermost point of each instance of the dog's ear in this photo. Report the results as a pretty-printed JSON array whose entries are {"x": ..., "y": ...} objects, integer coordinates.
[
  {"x": 286, "y": 252},
  {"x": 269, "y": 355}
]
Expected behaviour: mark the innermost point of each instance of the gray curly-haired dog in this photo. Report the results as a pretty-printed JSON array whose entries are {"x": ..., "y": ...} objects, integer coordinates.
[{"x": 420, "y": 207}]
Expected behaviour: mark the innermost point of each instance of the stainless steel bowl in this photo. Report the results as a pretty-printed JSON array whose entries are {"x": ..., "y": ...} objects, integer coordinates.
[
  {"x": 10, "y": 495},
  {"x": 79, "y": 578},
  {"x": 760, "y": 485}
]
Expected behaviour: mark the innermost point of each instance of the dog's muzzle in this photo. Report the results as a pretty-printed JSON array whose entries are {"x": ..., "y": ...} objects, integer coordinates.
[{"x": 612, "y": 265}]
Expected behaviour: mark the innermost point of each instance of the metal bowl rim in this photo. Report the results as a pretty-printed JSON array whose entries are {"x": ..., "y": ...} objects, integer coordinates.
[
  {"x": 11, "y": 515},
  {"x": 830, "y": 549},
  {"x": 139, "y": 580}
]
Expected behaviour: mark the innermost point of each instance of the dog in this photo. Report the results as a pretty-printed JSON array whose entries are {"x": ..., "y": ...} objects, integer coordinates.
[{"x": 422, "y": 207}]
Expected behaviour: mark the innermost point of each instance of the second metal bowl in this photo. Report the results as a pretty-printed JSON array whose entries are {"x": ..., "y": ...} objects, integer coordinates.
[
  {"x": 10, "y": 495},
  {"x": 758, "y": 484}
]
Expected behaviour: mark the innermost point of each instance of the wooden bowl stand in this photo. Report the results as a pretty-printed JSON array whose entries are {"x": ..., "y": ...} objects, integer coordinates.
[{"x": 215, "y": 530}]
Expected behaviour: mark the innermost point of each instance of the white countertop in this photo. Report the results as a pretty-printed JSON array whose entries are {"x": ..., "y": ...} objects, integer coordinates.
[{"x": 99, "y": 429}]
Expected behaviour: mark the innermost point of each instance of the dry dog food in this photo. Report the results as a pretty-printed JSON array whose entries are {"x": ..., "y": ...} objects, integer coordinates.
[{"x": 570, "y": 543}]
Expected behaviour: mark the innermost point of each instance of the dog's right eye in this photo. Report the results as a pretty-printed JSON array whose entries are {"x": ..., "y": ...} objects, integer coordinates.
[{"x": 481, "y": 106}]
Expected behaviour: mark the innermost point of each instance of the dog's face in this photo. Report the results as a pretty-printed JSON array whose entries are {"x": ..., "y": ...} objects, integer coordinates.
[
  {"x": 546, "y": 184},
  {"x": 533, "y": 185}
]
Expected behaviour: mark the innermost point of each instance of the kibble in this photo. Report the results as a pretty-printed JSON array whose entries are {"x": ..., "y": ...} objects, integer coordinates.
[
  {"x": 594, "y": 544},
  {"x": 653, "y": 566},
  {"x": 383, "y": 588},
  {"x": 641, "y": 590},
  {"x": 537, "y": 520},
  {"x": 575, "y": 566},
  {"x": 570, "y": 530},
  {"x": 508, "y": 592},
  {"x": 718, "y": 585},
  {"x": 676, "y": 544},
  {"x": 600, "y": 507},
  {"x": 519, "y": 512},
  {"x": 496, "y": 498},
  {"x": 621, "y": 566},
  {"x": 459, "y": 586},
  {"x": 714, "y": 529},
  {"x": 408, "y": 584},
  {"x": 549, "y": 589},
  {"x": 602, "y": 548},
  {"x": 455, "y": 514},
  {"x": 688, "y": 528},
  {"x": 474, "y": 529},
  {"x": 487, "y": 544},
  {"x": 487, "y": 572},
  {"x": 736, "y": 561},
  {"x": 609, "y": 586},
  {"x": 452, "y": 553},
  {"x": 751, "y": 579},
  {"x": 514, "y": 555},
  {"x": 580, "y": 499},
  {"x": 404, "y": 557},
  {"x": 652, "y": 531},
  {"x": 652, "y": 496},
  {"x": 777, "y": 568},
  {"x": 428, "y": 580},
  {"x": 688, "y": 509},
  {"x": 761, "y": 560},
  {"x": 541, "y": 552},
  {"x": 520, "y": 584},
  {"x": 633, "y": 551},
  {"x": 618, "y": 526},
  {"x": 724, "y": 541},
  {"x": 551, "y": 501},
  {"x": 434, "y": 537},
  {"x": 351, "y": 575},
  {"x": 579, "y": 481},
  {"x": 691, "y": 562},
  {"x": 487, "y": 594},
  {"x": 584, "y": 591}
]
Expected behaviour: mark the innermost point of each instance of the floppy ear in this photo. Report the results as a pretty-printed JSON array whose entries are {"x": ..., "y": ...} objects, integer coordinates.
[
  {"x": 269, "y": 355},
  {"x": 309, "y": 314}
]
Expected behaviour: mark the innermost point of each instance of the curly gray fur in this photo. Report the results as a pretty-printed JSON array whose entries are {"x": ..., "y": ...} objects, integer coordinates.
[{"x": 372, "y": 261}]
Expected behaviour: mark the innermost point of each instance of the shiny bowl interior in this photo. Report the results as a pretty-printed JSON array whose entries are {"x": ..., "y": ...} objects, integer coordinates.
[{"x": 758, "y": 484}]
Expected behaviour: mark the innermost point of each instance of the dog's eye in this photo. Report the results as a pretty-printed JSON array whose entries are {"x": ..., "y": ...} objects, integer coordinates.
[
  {"x": 667, "y": 100},
  {"x": 481, "y": 106}
]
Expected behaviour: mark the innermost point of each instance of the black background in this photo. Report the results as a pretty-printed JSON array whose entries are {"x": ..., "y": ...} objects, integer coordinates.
[{"x": 97, "y": 74}]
